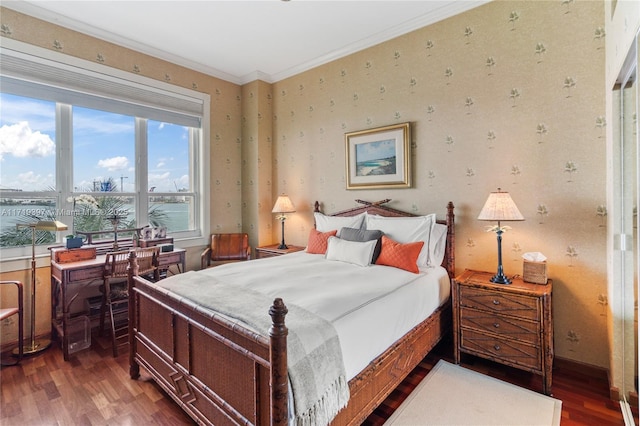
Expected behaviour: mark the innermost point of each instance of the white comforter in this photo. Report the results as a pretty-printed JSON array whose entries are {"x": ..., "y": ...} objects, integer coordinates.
[{"x": 370, "y": 307}]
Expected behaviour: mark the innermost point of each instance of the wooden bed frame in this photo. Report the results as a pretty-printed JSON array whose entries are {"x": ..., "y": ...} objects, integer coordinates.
[{"x": 220, "y": 373}]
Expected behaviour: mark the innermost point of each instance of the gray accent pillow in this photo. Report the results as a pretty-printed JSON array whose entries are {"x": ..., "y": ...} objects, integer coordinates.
[{"x": 362, "y": 235}]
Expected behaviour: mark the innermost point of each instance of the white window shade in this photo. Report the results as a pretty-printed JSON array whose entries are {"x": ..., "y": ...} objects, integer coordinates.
[{"x": 28, "y": 75}]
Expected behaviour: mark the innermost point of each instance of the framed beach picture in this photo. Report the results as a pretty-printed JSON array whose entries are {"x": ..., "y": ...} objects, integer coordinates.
[{"x": 379, "y": 158}]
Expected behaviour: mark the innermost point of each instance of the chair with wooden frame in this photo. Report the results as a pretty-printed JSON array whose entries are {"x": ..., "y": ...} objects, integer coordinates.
[
  {"x": 225, "y": 248},
  {"x": 115, "y": 297},
  {"x": 15, "y": 310},
  {"x": 147, "y": 259}
]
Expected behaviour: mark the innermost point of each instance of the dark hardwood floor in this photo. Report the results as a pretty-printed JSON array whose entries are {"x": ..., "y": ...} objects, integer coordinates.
[{"x": 93, "y": 388}]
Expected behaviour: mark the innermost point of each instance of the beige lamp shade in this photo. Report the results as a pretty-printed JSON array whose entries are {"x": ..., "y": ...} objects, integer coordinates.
[
  {"x": 283, "y": 205},
  {"x": 500, "y": 207}
]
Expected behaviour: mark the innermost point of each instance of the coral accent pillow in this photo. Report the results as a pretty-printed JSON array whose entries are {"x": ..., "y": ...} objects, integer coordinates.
[
  {"x": 406, "y": 230},
  {"x": 403, "y": 256},
  {"x": 317, "y": 243}
]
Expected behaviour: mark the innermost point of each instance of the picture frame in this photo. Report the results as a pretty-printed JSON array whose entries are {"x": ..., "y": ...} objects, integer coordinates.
[
  {"x": 379, "y": 158},
  {"x": 146, "y": 233}
]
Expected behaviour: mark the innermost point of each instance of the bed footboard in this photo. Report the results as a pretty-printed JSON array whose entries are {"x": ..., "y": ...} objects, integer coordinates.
[{"x": 217, "y": 371}]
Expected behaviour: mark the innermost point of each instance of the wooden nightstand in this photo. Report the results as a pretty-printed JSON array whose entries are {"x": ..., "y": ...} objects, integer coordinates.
[
  {"x": 273, "y": 250},
  {"x": 510, "y": 324}
]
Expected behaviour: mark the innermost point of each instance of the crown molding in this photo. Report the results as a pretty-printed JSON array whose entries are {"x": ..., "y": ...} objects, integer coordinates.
[
  {"x": 447, "y": 10},
  {"x": 256, "y": 75}
]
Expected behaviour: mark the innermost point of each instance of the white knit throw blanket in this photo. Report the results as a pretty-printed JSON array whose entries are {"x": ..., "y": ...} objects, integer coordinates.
[{"x": 314, "y": 357}]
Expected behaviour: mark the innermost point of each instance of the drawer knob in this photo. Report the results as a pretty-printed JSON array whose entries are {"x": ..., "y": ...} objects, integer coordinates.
[
  {"x": 496, "y": 302},
  {"x": 496, "y": 325},
  {"x": 496, "y": 347}
]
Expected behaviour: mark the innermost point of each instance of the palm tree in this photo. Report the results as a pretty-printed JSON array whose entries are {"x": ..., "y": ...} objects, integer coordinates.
[
  {"x": 21, "y": 235},
  {"x": 87, "y": 217}
]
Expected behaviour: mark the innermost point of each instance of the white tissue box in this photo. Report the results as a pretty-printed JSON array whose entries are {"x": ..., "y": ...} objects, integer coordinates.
[{"x": 534, "y": 272}]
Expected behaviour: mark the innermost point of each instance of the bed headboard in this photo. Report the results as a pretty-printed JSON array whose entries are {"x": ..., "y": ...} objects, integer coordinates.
[{"x": 378, "y": 207}]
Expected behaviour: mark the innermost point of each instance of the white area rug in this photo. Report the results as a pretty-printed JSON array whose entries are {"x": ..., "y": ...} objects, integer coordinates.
[{"x": 454, "y": 395}]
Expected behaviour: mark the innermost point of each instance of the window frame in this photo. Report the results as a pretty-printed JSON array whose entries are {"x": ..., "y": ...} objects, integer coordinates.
[{"x": 64, "y": 143}]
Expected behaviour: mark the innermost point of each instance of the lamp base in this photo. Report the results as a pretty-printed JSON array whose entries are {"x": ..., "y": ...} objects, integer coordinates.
[
  {"x": 283, "y": 246},
  {"x": 36, "y": 347},
  {"x": 500, "y": 279}
]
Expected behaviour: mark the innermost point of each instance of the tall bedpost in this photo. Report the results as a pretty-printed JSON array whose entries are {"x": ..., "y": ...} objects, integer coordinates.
[
  {"x": 451, "y": 239},
  {"x": 132, "y": 271},
  {"x": 278, "y": 358}
]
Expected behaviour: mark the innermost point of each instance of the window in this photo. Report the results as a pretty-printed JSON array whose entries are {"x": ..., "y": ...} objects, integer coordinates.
[
  {"x": 104, "y": 158},
  {"x": 171, "y": 195},
  {"x": 70, "y": 152},
  {"x": 103, "y": 147},
  {"x": 27, "y": 143},
  {"x": 28, "y": 167}
]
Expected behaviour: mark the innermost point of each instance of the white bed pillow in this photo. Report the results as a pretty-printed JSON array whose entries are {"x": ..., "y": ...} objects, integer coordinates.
[
  {"x": 358, "y": 253},
  {"x": 406, "y": 230},
  {"x": 437, "y": 244},
  {"x": 326, "y": 223},
  {"x": 361, "y": 235}
]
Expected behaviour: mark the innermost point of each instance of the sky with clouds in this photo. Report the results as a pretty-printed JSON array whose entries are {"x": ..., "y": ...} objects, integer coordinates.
[
  {"x": 375, "y": 150},
  {"x": 103, "y": 148}
]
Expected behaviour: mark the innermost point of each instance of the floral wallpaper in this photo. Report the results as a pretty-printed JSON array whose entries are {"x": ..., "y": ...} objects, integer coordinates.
[{"x": 509, "y": 94}]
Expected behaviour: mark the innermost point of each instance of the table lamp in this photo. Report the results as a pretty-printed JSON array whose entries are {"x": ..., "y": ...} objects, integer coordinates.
[
  {"x": 500, "y": 207},
  {"x": 34, "y": 345},
  {"x": 282, "y": 207}
]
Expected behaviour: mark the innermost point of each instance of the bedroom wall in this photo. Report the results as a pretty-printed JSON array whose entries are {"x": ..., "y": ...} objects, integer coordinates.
[
  {"x": 519, "y": 110},
  {"x": 509, "y": 95},
  {"x": 225, "y": 180},
  {"x": 257, "y": 147}
]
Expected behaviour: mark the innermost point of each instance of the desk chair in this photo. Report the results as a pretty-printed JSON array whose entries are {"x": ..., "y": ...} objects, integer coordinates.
[
  {"x": 115, "y": 296},
  {"x": 148, "y": 259},
  {"x": 9, "y": 312},
  {"x": 226, "y": 248}
]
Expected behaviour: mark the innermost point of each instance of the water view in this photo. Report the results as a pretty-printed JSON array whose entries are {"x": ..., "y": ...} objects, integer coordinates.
[{"x": 176, "y": 214}]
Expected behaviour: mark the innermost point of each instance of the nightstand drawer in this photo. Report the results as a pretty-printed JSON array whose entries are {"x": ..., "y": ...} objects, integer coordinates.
[
  {"x": 503, "y": 350},
  {"x": 500, "y": 302},
  {"x": 514, "y": 328}
]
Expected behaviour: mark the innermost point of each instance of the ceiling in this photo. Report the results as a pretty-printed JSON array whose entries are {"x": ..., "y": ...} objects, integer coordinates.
[{"x": 240, "y": 41}]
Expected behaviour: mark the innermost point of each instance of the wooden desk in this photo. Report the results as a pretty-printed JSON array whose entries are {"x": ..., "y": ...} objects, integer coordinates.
[{"x": 77, "y": 275}]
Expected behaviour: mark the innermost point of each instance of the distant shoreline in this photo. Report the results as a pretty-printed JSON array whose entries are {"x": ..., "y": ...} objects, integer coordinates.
[{"x": 383, "y": 166}]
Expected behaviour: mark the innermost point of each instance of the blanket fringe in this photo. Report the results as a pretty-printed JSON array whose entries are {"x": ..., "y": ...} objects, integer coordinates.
[{"x": 334, "y": 399}]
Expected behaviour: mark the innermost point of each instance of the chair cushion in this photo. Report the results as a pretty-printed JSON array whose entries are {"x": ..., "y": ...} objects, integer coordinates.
[{"x": 119, "y": 293}]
